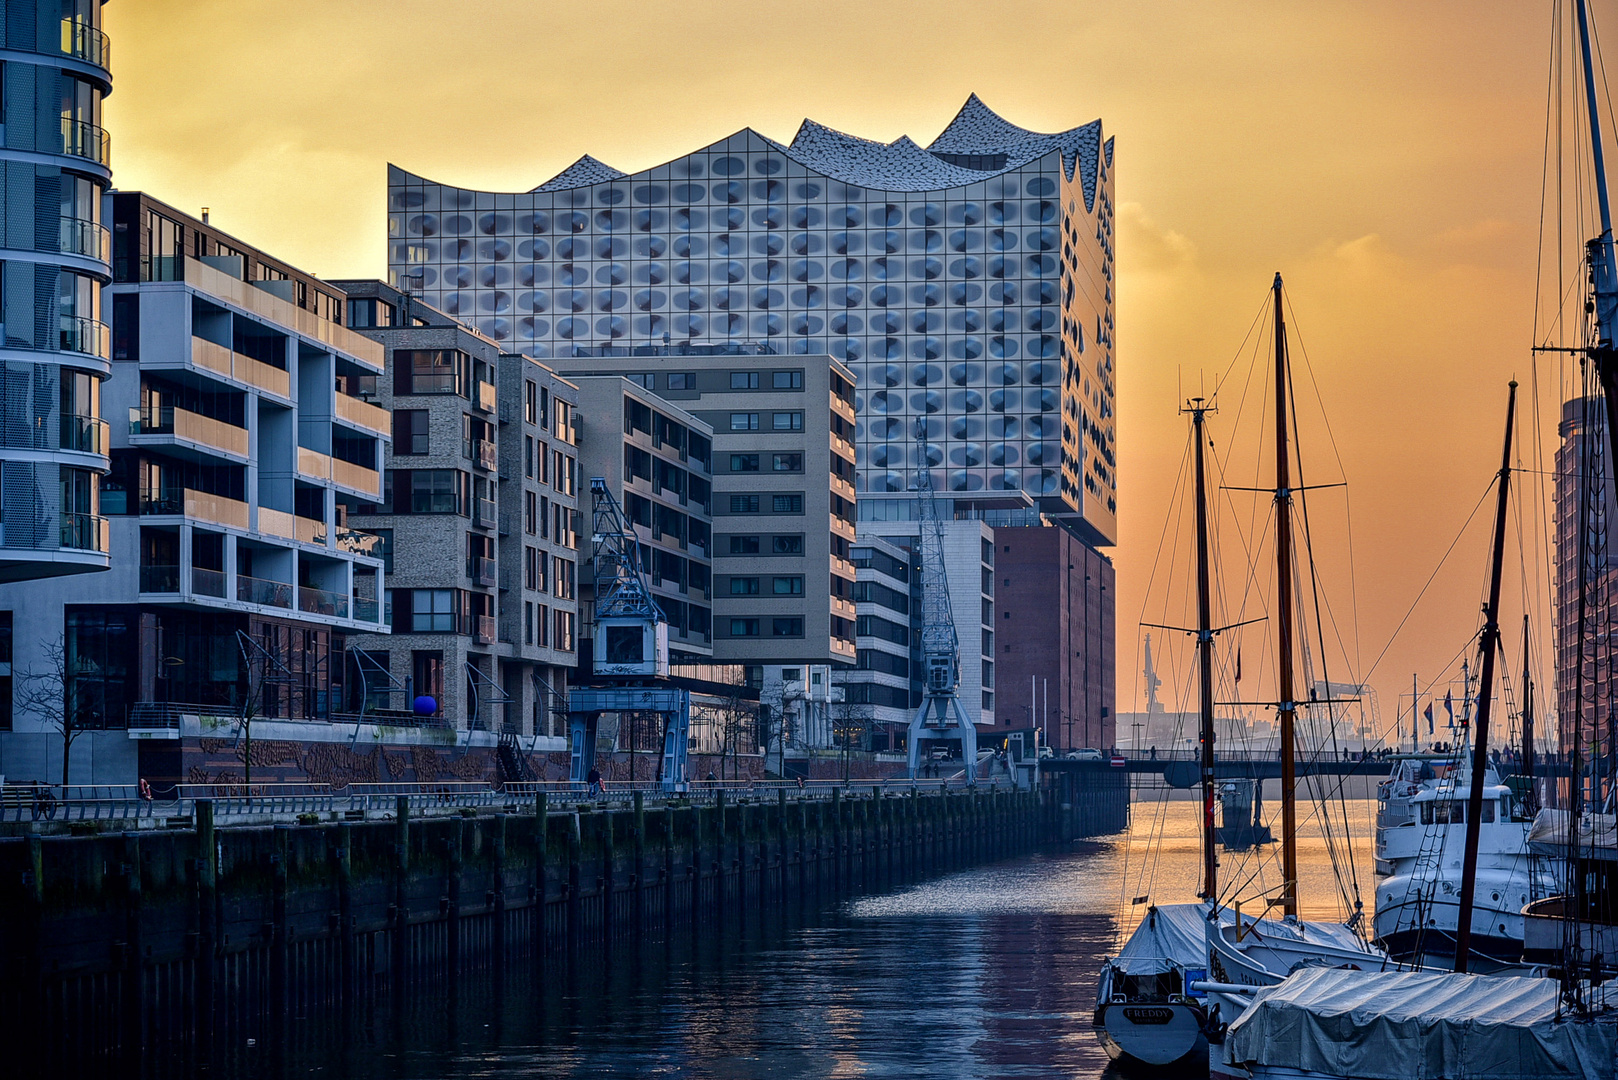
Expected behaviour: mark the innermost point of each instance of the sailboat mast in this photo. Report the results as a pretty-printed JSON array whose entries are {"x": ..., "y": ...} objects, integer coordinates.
[
  {"x": 1205, "y": 636},
  {"x": 1490, "y": 646},
  {"x": 1283, "y": 595},
  {"x": 1530, "y": 799}
]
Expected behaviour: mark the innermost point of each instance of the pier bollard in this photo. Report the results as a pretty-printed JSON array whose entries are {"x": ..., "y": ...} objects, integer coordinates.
[
  {"x": 134, "y": 1010},
  {"x": 280, "y": 946},
  {"x": 541, "y": 884},
  {"x": 399, "y": 946},
  {"x": 452, "y": 889},
  {"x": 498, "y": 930},
  {"x": 638, "y": 878},
  {"x": 719, "y": 861},
  {"x": 609, "y": 881},
  {"x": 207, "y": 922},
  {"x": 345, "y": 915},
  {"x": 574, "y": 844}
]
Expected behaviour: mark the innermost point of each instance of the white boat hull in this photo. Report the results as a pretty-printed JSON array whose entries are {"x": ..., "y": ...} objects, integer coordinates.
[{"x": 1154, "y": 1035}]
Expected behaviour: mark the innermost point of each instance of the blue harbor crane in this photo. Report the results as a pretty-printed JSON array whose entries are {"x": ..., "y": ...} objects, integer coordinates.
[
  {"x": 940, "y": 717},
  {"x": 629, "y": 650}
]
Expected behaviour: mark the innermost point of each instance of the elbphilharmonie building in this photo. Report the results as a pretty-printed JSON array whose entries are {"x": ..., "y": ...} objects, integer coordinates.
[{"x": 967, "y": 282}]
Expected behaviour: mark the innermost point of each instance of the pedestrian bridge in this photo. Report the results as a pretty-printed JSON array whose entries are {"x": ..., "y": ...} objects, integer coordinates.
[{"x": 1183, "y": 768}]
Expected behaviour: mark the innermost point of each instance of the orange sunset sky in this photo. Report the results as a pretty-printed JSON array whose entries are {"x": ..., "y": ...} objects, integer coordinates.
[{"x": 1385, "y": 156}]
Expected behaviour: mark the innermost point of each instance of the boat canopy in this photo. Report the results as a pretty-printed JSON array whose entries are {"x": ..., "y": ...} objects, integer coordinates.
[
  {"x": 1174, "y": 935},
  {"x": 1396, "y": 1025},
  {"x": 1597, "y": 839}
]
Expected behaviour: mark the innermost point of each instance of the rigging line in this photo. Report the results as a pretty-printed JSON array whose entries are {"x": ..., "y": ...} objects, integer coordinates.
[
  {"x": 1544, "y": 178},
  {"x": 1258, "y": 320},
  {"x": 1157, "y": 558},
  {"x": 1447, "y": 552}
]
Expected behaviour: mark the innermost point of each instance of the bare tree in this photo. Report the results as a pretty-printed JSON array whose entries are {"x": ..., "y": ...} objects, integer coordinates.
[
  {"x": 851, "y": 729},
  {"x": 44, "y": 692},
  {"x": 737, "y": 718}
]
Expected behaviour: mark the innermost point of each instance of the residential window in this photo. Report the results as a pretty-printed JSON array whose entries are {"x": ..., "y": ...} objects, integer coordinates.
[
  {"x": 744, "y": 421},
  {"x": 744, "y": 380},
  {"x": 744, "y": 504},
  {"x": 384, "y": 548},
  {"x": 744, "y": 545},
  {"x": 788, "y": 586},
  {"x": 682, "y": 381},
  {"x": 530, "y": 403},
  {"x": 432, "y": 610},
  {"x": 648, "y": 381},
  {"x": 527, "y": 622},
  {"x": 744, "y": 463},
  {"x": 434, "y": 491},
  {"x": 542, "y": 623},
  {"x": 744, "y": 586},
  {"x": 427, "y": 674},
  {"x": 744, "y": 628},
  {"x": 787, "y": 462},
  {"x": 528, "y": 456},
  {"x": 786, "y": 504},
  {"x": 792, "y": 627},
  {"x": 787, "y": 545},
  {"x": 428, "y": 371},
  {"x": 530, "y": 513},
  {"x": 787, "y": 380},
  {"x": 409, "y": 432},
  {"x": 787, "y": 421}
]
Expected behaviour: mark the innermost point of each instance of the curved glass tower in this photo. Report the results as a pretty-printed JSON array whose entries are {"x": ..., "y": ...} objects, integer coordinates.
[
  {"x": 967, "y": 284},
  {"x": 54, "y": 259}
]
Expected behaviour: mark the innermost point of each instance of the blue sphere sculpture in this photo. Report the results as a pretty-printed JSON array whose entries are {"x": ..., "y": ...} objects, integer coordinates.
[{"x": 425, "y": 705}]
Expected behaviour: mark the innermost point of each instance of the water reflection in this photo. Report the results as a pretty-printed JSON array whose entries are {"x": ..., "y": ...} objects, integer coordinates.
[{"x": 987, "y": 973}]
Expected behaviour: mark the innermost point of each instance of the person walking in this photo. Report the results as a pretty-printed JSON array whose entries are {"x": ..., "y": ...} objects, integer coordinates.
[{"x": 594, "y": 780}]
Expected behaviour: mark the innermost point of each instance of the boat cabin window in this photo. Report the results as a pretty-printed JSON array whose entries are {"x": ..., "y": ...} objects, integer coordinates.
[
  {"x": 1158, "y": 986},
  {"x": 1452, "y": 812}
]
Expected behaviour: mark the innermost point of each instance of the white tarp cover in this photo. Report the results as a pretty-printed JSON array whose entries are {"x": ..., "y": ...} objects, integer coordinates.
[
  {"x": 1173, "y": 932},
  {"x": 1598, "y": 835},
  {"x": 1412, "y": 1025}
]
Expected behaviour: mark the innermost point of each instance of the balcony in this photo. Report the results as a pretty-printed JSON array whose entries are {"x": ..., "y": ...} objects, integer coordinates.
[
  {"x": 85, "y": 434},
  {"x": 482, "y": 571},
  {"x": 356, "y": 477},
  {"x": 484, "y": 399},
  {"x": 87, "y": 141},
  {"x": 483, "y": 455},
  {"x": 276, "y": 523},
  {"x": 87, "y": 238},
  {"x": 86, "y": 532},
  {"x": 159, "y": 579},
  {"x": 357, "y": 542},
  {"x": 484, "y": 629},
  {"x": 186, "y": 426},
  {"x": 199, "y": 505},
  {"x": 365, "y": 609},
  {"x": 484, "y": 514},
  {"x": 313, "y": 465},
  {"x": 362, "y": 414},
  {"x": 206, "y": 582},
  {"x": 250, "y": 590},
  {"x": 248, "y": 296},
  {"x": 84, "y": 42},
  {"x": 222, "y": 360},
  {"x": 84, "y": 336},
  {"x": 322, "y": 602}
]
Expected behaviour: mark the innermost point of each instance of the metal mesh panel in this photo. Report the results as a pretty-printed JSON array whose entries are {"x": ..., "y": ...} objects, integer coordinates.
[{"x": 31, "y": 496}]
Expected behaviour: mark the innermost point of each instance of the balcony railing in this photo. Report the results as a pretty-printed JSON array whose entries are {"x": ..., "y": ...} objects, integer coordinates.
[
  {"x": 218, "y": 509},
  {"x": 86, "y": 434},
  {"x": 159, "y": 579},
  {"x": 358, "y": 477},
  {"x": 484, "y": 513},
  {"x": 84, "y": 336},
  {"x": 87, "y": 238},
  {"x": 84, "y": 42},
  {"x": 365, "y": 609},
  {"x": 86, "y": 141},
  {"x": 222, "y": 360},
  {"x": 363, "y": 414},
  {"x": 485, "y": 398},
  {"x": 206, "y": 582},
  {"x": 483, "y": 454},
  {"x": 250, "y": 590},
  {"x": 86, "y": 532},
  {"x": 482, "y": 571},
  {"x": 322, "y": 602},
  {"x": 484, "y": 629},
  {"x": 190, "y": 426},
  {"x": 359, "y": 543}
]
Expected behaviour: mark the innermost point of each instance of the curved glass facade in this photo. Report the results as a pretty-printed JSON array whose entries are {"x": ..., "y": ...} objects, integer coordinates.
[
  {"x": 967, "y": 284},
  {"x": 55, "y": 256}
]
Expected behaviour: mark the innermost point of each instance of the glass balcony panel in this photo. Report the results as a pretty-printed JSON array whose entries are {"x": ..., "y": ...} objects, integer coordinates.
[
  {"x": 251, "y": 590},
  {"x": 87, "y": 141},
  {"x": 86, "y": 532},
  {"x": 86, "y": 336},
  {"x": 322, "y": 602},
  {"x": 87, "y": 238},
  {"x": 206, "y": 582},
  {"x": 85, "y": 434},
  {"x": 159, "y": 579}
]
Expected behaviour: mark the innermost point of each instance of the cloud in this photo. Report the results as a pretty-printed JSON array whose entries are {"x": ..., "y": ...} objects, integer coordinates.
[{"x": 1144, "y": 246}]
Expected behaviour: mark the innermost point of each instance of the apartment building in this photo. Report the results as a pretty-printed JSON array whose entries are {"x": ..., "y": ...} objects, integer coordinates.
[
  {"x": 55, "y": 260},
  {"x": 243, "y": 429},
  {"x": 880, "y": 693},
  {"x": 476, "y": 524},
  {"x": 783, "y": 494},
  {"x": 657, "y": 460}
]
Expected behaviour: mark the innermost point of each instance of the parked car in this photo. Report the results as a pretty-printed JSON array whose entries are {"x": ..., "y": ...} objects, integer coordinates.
[{"x": 1085, "y": 754}]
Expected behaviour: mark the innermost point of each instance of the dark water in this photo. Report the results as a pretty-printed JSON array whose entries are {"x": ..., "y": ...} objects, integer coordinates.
[{"x": 987, "y": 973}]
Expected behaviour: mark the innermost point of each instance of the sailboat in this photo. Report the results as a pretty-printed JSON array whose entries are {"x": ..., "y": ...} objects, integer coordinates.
[
  {"x": 1247, "y": 952},
  {"x": 1147, "y": 1012}
]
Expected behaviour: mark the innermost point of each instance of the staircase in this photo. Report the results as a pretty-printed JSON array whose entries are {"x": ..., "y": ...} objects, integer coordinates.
[{"x": 514, "y": 766}]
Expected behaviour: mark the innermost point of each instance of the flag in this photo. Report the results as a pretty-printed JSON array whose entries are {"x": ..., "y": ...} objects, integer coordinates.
[
  {"x": 1429, "y": 718},
  {"x": 1238, "y": 663},
  {"x": 1449, "y": 707}
]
